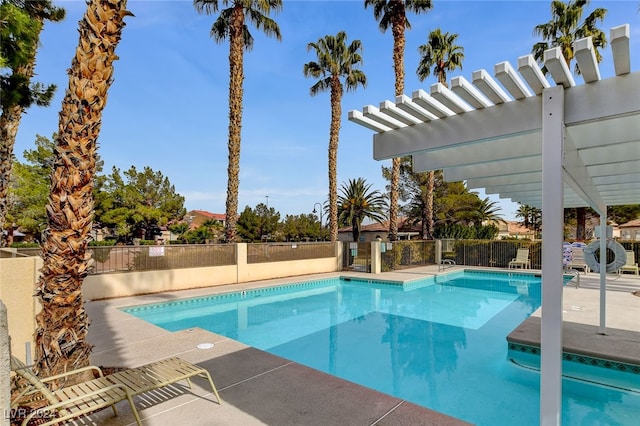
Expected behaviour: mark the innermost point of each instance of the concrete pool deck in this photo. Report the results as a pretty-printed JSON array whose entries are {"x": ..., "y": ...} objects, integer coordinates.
[{"x": 259, "y": 388}]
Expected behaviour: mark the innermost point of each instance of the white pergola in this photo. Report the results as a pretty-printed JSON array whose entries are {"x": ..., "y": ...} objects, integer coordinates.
[{"x": 546, "y": 145}]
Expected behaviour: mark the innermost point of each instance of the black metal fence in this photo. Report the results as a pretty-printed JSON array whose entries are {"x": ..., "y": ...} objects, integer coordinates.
[
  {"x": 491, "y": 253},
  {"x": 108, "y": 259},
  {"x": 356, "y": 257},
  {"x": 280, "y": 252},
  {"x": 406, "y": 254}
]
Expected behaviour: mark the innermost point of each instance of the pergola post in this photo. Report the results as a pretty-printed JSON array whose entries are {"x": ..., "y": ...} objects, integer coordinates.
[
  {"x": 552, "y": 235},
  {"x": 603, "y": 270}
]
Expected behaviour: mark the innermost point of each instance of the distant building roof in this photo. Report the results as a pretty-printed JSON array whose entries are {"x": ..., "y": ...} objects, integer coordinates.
[
  {"x": 209, "y": 215},
  {"x": 631, "y": 224},
  {"x": 403, "y": 225}
]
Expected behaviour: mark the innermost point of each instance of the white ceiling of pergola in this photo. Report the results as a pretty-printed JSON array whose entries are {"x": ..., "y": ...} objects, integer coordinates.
[{"x": 488, "y": 131}]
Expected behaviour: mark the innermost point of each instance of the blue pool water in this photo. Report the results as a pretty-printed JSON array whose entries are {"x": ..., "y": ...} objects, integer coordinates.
[{"x": 440, "y": 343}]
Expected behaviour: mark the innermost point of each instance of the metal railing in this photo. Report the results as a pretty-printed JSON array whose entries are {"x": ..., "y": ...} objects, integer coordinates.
[
  {"x": 490, "y": 253},
  {"x": 406, "y": 254},
  {"x": 280, "y": 252},
  {"x": 400, "y": 254},
  {"x": 147, "y": 258},
  {"x": 356, "y": 257}
]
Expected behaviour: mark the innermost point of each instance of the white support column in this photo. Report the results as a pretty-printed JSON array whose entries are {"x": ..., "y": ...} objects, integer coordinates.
[
  {"x": 603, "y": 270},
  {"x": 552, "y": 232}
]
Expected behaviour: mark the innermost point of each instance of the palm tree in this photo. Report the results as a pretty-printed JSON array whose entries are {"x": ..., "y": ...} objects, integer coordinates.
[
  {"x": 487, "y": 211},
  {"x": 531, "y": 217},
  {"x": 440, "y": 52},
  {"x": 336, "y": 70},
  {"x": 232, "y": 24},
  {"x": 443, "y": 54},
  {"x": 62, "y": 324},
  {"x": 561, "y": 31},
  {"x": 25, "y": 22},
  {"x": 393, "y": 13},
  {"x": 357, "y": 202}
]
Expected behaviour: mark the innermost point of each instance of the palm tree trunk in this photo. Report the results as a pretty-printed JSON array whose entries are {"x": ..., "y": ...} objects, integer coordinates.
[
  {"x": 581, "y": 221},
  {"x": 9, "y": 122},
  {"x": 429, "y": 205},
  {"x": 62, "y": 324},
  {"x": 397, "y": 28},
  {"x": 336, "y": 111},
  {"x": 393, "y": 199},
  {"x": 236, "y": 77}
]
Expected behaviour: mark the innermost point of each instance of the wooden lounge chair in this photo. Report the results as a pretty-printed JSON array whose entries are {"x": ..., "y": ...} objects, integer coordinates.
[
  {"x": 630, "y": 265},
  {"x": 69, "y": 402},
  {"x": 521, "y": 260},
  {"x": 77, "y": 400}
]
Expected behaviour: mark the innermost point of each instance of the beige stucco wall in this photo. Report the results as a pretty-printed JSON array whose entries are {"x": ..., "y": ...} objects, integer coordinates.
[
  {"x": 104, "y": 286},
  {"x": 18, "y": 278},
  {"x": 265, "y": 271}
]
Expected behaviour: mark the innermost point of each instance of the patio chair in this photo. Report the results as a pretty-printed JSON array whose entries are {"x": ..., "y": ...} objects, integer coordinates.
[
  {"x": 70, "y": 402},
  {"x": 577, "y": 260},
  {"x": 77, "y": 400},
  {"x": 521, "y": 260},
  {"x": 630, "y": 265},
  {"x": 159, "y": 374}
]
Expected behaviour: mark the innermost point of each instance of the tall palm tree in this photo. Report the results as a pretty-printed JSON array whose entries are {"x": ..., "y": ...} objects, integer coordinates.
[
  {"x": 562, "y": 30},
  {"x": 232, "y": 24},
  {"x": 336, "y": 70},
  {"x": 18, "y": 93},
  {"x": 440, "y": 52},
  {"x": 392, "y": 13},
  {"x": 443, "y": 54},
  {"x": 357, "y": 202},
  {"x": 531, "y": 217},
  {"x": 62, "y": 324}
]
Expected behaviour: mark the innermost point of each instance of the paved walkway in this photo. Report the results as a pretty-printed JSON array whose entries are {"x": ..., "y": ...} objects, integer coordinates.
[{"x": 260, "y": 388}]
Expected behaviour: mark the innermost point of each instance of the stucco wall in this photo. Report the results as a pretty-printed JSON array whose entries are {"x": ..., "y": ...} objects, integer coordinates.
[
  {"x": 18, "y": 278},
  {"x": 104, "y": 286}
]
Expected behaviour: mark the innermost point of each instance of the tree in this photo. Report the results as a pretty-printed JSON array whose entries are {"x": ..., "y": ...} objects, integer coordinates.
[
  {"x": 531, "y": 217},
  {"x": 18, "y": 44},
  {"x": 393, "y": 13},
  {"x": 623, "y": 214},
  {"x": 214, "y": 227},
  {"x": 456, "y": 204},
  {"x": 180, "y": 229},
  {"x": 358, "y": 202},
  {"x": 412, "y": 188},
  {"x": 440, "y": 52},
  {"x": 562, "y": 30},
  {"x": 487, "y": 211},
  {"x": 138, "y": 204},
  {"x": 232, "y": 24},
  {"x": 62, "y": 324},
  {"x": 29, "y": 191},
  {"x": 336, "y": 70},
  {"x": 302, "y": 227},
  {"x": 443, "y": 54},
  {"x": 258, "y": 225}
]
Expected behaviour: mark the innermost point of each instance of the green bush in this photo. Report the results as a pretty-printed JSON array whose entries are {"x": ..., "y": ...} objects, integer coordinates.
[
  {"x": 102, "y": 243},
  {"x": 24, "y": 245}
]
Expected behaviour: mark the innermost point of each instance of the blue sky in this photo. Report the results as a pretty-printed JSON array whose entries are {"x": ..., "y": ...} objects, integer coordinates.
[{"x": 168, "y": 105}]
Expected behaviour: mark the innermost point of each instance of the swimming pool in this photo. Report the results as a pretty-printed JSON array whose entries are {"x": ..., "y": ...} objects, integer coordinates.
[{"x": 438, "y": 342}]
